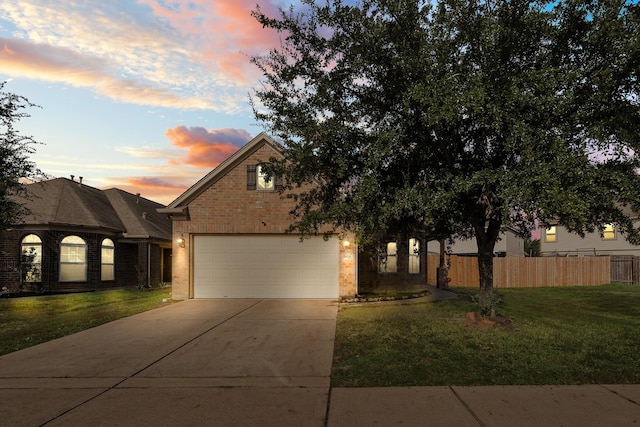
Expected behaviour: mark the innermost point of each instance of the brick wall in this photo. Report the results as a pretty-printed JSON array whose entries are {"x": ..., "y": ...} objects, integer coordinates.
[{"x": 127, "y": 257}]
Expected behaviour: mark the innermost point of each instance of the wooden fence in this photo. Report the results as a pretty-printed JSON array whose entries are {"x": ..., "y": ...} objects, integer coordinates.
[{"x": 512, "y": 272}]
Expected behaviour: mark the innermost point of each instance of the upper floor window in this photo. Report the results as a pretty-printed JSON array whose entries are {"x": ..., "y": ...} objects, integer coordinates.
[
  {"x": 609, "y": 232},
  {"x": 107, "y": 262},
  {"x": 73, "y": 259},
  {"x": 265, "y": 182},
  {"x": 388, "y": 258},
  {"x": 414, "y": 256},
  {"x": 550, "y": 234},
  {"x": 257, "y": 179},
  {"x": 31, "y": 258}
]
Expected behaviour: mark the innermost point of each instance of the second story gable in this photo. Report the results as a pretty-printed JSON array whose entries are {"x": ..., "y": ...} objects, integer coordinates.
[{"x": 237, "y": 196}]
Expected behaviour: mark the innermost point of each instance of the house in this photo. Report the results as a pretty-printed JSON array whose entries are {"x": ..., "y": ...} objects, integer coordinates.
[
  {"x": 230, "y": 239},
  {"x": 555, "y": 240},
  {"x": 509, "y": 244},
  {"x": 77, "y": 238}
]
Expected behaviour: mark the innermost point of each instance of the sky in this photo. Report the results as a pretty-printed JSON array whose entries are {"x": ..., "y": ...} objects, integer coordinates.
[{"x": 144, "y": 95}]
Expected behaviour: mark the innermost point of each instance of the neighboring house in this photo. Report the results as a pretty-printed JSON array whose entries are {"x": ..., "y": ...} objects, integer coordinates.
[
  {"x": 555, "y": 240},
  {"x": 230, "y": 240},
  {"x": 78, "y": 238},
  {"x": 509, "y": 244}
]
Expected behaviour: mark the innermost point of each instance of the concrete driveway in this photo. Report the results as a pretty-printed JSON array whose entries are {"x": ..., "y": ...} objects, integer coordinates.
[{"x": 197, "y": 362}]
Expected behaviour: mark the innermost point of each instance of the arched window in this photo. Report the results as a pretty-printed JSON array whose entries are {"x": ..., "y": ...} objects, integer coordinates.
[
  {"x": 73, "y": 259},
  {"x": 414, "y": 256},
  {"x": 31, "y": 258},
  {"x": 107, "y": 271}
]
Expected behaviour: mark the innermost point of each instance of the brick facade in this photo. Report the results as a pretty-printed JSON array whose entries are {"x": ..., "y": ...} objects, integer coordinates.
[
  {"x": 226, "y": 206},
  {"x": 131, "y": 266}
]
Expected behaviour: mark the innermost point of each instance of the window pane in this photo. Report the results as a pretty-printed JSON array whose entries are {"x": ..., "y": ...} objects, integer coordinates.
[
  {"x": 263, "y": 184},
  {"x": 414, "y": 256},
  {"x": 73, "y": 259},
  {"x": 72, "y": 273},
  {"x": 107, "y": 260},
  {"x": 388, "y": 261},
  {"x": 550, "y": 235},
  {"x": 31, "y": 258},
  {"x": 609, "y": 233}
]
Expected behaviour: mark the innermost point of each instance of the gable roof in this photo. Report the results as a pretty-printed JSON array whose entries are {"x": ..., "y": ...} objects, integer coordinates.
[
  {"x": 178, "y": 206},
  {"x": 61, "y": 202}
]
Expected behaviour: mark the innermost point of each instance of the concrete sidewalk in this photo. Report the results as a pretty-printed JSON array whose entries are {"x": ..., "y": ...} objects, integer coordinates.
[{"x": 257, "y": 363}]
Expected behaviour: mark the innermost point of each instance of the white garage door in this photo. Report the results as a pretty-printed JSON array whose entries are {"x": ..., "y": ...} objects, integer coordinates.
[{"x": 265, "y": 267}]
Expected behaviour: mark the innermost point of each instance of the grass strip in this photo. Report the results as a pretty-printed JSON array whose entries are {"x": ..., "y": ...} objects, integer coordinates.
[{"x": 32, "y": 320}]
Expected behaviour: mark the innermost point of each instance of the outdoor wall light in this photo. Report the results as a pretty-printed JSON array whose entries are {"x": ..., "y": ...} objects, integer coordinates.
[
  {"x": 346, "y": 244},
  {"x": 181, "y": 241}
]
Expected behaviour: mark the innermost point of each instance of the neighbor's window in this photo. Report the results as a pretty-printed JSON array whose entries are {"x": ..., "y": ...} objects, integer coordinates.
[
  {"x": 388, "y": 259},
  {"x": 414, "y": 256},
  {"x": 550, "y": 234},
  {"x": 107, "y": 261},
  {"x": 609, "y": 232},
  {"x": 264, "y": 182},
  {"x": 31, "y": 258},
  {"x": 73, "y": 259}
]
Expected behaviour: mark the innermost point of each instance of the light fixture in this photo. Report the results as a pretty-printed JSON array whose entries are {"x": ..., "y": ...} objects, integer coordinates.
[
  {"x": 181, "y": 241},
  {"x": 346, "y": 244}
]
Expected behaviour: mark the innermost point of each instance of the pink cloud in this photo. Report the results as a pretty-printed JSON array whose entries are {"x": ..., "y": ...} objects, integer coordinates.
[
  {"x": 206, "y": 148},
  {"x": 57, "y": 64},
  {"x": 161, "y": 189},
  {"x": 222, "y": 34}
]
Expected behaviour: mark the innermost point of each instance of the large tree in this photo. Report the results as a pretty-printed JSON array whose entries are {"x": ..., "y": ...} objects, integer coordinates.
[
  {"x": 456, "y": 117},
  {"x": 15, "y": 149}
]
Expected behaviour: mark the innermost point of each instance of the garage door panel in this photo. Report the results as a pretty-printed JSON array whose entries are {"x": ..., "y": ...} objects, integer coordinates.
[{"x": 265, "y": 267}]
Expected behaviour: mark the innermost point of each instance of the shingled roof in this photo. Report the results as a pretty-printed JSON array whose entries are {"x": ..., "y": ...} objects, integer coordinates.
[{"x": 62, "y": 202}]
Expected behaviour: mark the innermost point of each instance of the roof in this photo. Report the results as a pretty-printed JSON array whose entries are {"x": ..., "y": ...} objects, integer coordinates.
[
  {"x": 62, "y": 202},
  {"x": 205, "y": 182},
  {"x": 139, "y": 215}
]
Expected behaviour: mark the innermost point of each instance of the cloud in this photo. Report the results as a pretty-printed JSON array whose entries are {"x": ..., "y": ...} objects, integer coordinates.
[
  {"x": 179, "y": 54},
  {"x": 206, "y": 148},
  {"x": 44, "y": 62},
  {"x": 161, "y": 189}
]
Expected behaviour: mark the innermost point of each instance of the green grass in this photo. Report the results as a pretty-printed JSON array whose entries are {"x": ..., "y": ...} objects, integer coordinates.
[
  {"x": 28, "y": 321},
  {"x": 578, "y": 335}
]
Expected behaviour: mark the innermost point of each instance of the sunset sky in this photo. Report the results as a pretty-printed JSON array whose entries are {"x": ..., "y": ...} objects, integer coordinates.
[{"x": 143, "y": 95}]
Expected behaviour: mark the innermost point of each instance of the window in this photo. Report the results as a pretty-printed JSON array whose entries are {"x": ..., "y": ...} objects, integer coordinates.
[
  {"x": 107, "y": 261},
  {"x": 257, "y": 179},
  {"x": 414, "y": 256},
  {"x": 388, "y": 259},
  {"x": 264, "y": 182},
  {"x": 609, "y": 232},
  {"x": 31, "y": 258},
  {"x": 550, "y": 235},
  {"x": 73, "y": 259}
]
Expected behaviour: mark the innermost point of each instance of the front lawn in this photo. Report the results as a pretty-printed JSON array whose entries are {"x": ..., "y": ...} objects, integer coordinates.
[
  {"x": 31, "y": 320},
  {"x": 576, "y": 335}
]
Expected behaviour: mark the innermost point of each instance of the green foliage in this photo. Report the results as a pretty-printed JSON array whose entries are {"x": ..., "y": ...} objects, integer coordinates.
[
  {"x": 487, "y": 301},
  {"x": 15, "y": 150},
  {"x": 578, "y": 335},
  {"x": 456, "y": 117},
  {"x": 532, "y": 247}
]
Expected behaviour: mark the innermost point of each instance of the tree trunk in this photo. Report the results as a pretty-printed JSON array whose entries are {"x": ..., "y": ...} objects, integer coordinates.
[{"x": 486, "y": 237}]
